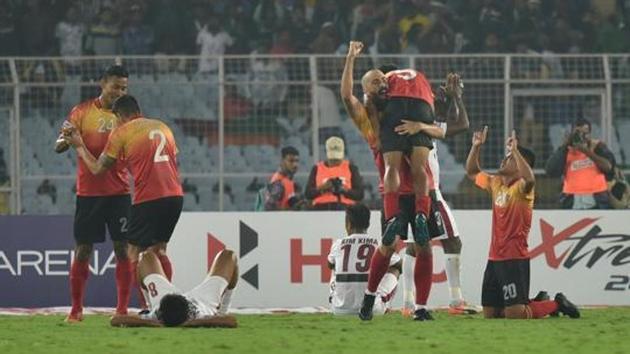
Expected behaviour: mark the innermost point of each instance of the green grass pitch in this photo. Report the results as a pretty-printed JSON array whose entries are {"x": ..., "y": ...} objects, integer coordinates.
[{"x": 598, "y": 331}]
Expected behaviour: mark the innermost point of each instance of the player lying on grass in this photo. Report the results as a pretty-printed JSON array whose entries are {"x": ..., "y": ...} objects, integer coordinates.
[
  {"x": 505, "y": 289},
  {"x": 204, "y": 306},
  {"x": 349, "y": 258}
]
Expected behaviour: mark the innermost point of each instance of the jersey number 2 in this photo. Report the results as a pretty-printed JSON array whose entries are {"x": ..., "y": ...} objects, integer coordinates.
[
  {"x": 364, "y": 254},
  {"x": 158, "y": 157}
]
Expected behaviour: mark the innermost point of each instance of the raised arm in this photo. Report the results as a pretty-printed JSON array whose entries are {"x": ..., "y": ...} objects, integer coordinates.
[
  {"x": 472, "y": 162},
  {"x": 352, "y": 104},
  {"x": 524, "y": 170},
  {"x": 457, "y": 119}
]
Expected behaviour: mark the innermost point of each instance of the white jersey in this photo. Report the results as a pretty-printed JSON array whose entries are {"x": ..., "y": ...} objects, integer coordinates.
[
  {"x": 205, "y": 297},
  {"x": 433, "y": 165},
  {"x": 351, "y": 256}
]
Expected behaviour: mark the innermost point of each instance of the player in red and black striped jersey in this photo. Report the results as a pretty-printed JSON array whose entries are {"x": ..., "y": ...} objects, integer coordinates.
[
  {"x": 102, "y": 201},
  {"x": 148, "y": 149}
]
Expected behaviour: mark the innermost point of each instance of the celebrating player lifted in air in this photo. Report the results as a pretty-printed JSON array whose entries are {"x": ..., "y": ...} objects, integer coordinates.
[
  {"x": 148, "y": 148},
  {"x": 206, "y": 305},
  {"x": 505, "y": 289},
  {"x": 101, "y": 200},
  {"x": 452, "y": 119},
  {"x": 350, "y": 259},
  {"x": 388, "y": 100}
]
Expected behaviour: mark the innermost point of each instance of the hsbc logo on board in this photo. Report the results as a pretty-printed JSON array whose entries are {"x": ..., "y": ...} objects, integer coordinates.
[{"x": 248, "y": 241}]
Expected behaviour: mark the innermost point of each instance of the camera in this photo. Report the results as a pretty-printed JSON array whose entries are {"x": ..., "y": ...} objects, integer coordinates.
[
  {"x": 337, "y": 185},
  {"x": 577, "y": 138}
]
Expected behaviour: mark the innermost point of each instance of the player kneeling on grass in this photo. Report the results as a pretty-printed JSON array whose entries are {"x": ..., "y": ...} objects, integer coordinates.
[
  {"x": 505, "y": 289},
  {"x": 204, "y": 306},
  {"x": 350, "y": 259}
]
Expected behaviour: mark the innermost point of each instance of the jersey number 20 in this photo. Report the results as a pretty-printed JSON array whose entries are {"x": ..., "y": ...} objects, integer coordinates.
[{"x": 158, "y": 157}]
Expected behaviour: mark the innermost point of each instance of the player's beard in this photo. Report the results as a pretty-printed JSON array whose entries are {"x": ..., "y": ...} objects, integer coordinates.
[{"x": 380, "y": 103}]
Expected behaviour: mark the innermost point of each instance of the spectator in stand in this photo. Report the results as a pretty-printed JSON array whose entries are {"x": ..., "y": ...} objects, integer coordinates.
[
  {"x": 281, "y": 192},
  {"x": 172, "y": 26},
  {"x": 9, "y": 35},
  {"x": 103, "y": 37},
  {"x": 327, "y": 41},
  {"x": 334, "y": 183},
  {"x": 36, "y": 27},
  {"x": 212, "y": 40},
  {"x": 49, "y": 189},
  {"x": 585, "y": 165},
  {"x": 70, "y": 33},
  {"x": 267, "y": 78},
  {"x": 137, "y": 37},
  {"x": 301, "y": 33},
  {"x": 269, "y": 16}
]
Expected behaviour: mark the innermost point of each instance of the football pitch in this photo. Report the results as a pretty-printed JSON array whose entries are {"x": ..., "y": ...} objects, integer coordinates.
[{"x": 598, "y": 331}]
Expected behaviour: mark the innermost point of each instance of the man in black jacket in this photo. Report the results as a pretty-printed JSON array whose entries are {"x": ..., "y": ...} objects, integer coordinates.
[{"x": 585, "y": 164}]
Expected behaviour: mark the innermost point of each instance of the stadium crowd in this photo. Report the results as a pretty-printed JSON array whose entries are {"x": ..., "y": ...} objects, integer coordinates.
[{"x": 140, "y": 27}]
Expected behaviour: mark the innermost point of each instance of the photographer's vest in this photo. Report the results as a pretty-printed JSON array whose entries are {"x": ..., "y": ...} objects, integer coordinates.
[
  {"x": 581, "y": 174},
  {"x": 324, "y": 173},
  {"x": 289, "y": 189}
]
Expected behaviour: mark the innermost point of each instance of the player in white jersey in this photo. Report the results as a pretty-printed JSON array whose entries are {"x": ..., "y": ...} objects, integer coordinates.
[
  {"x": 206, "y": 305},
  {"x": 349, "y": 259},
  {"x": 441, "y": 223}
]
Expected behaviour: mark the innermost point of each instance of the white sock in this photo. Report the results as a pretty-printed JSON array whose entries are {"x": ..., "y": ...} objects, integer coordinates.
[
  {"x": 387, "y": 284},
  {"x": 409, "y": 288},
  {"x": 418, "y": 307},
  {"x": 224, "y": 306},
  {"x": 453, "y": 277}
]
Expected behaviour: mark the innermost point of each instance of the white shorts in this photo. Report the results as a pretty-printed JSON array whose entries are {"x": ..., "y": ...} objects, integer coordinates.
[
  {"x": 207, "y": 295},
  {"x": 450, "y": 226}
]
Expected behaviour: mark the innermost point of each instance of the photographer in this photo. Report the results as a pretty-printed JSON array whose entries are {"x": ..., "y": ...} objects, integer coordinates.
[
  {"x": 335, "y": 183},
  {"x": 586, "y": 164}
]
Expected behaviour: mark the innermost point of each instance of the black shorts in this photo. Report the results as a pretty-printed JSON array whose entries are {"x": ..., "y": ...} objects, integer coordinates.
[
  {"x": 93, "y": 213},
  {"x": 154, "y": 221},
  {"x": 505, "y": 283},
  {"x": 407, "y": 216},
  {"x": 397, "y": 109}
]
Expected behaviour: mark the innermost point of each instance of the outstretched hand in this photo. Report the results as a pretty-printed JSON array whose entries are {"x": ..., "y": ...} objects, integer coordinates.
[
  {"x": 512, "y": 142},
  {"x": 454, "y": 85},
  {"x": 479, "y": 137}
]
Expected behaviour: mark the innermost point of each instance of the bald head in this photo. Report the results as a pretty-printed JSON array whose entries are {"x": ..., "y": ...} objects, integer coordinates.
[{"x": 374, "y": 83}]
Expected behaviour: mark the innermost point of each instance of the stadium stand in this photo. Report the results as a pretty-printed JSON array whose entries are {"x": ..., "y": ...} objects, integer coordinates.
[{"x": 275, "y": 83}]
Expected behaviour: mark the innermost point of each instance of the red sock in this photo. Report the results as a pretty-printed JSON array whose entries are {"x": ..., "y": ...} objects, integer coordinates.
[
  {"x": 79, "y": 272},
  {"x": 378, "y": 267},
  {"x": 423, "y": 204},
  {"x": 390, "y": 204},
  {"x": 422, "y": 276},
  {"x": 166, "y": 265},
  {"x": 540, "y": 309},
  {"x": 136, "y": 284},
  {"x": 123, "y": 285}
]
